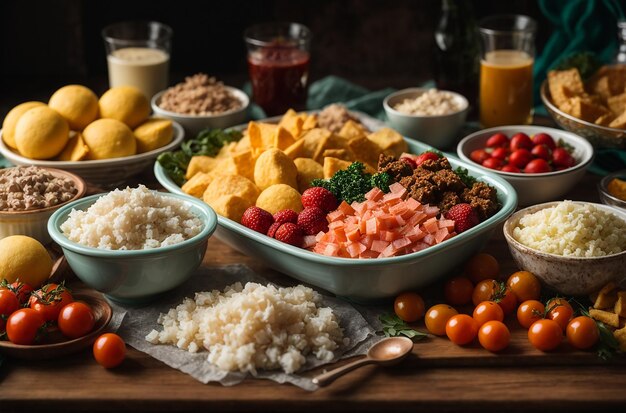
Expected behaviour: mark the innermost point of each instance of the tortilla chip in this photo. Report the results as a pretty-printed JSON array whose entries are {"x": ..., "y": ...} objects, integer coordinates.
[
  {"x": 199, "y": 183},
  {"x": 244, "y": 163},
  {"x": 261, "y": 134},
  {"x": 584, "y": 109},
  {"x": 617, "y": 103},
  {"x": 617, "y": 79},
  {"x": 605, "y": 120},
  {"x": 365, "y": 150},
  {"x": 564, "y": 84},
  {"x": 308, "y": 170},
  {"x": 231, "y": 185},
  {"x": 75, "y": 150},
  {"x": 607, "y": 296},
  {"x": 620, "y": 336},
  {"x": 310, "y": 122},
  {"x": 296, "y": 150},
  {"x": 332, "y": 165},
  {"x": 200, "y": 164},
  {"x": 607, "y": 317},
  {"x": 600, "y": 87},
  {"x": 227, "y": 150},
  {"x": 389, "y": 141},
  {"x": 283, "y": 139},
  {"x": 620, "y": 304},
  {"x": 292, "y": 122},
  {"x": 352, "y": 130},
  {"x": 243, "y": 144},
  {"x": 342, "y": 154},
  {"x": 619, "y": 122},
  {"x": 230, "y": 206}
]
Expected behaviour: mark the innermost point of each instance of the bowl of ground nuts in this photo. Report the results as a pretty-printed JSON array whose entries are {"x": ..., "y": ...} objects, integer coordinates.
[
  {"x": 30, "y": 194},
  {"x": 201, "y": 102},
  {"x": 432, "y": 116}
]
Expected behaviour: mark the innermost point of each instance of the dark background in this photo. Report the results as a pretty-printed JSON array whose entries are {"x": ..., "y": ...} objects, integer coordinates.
[{"x": 47, "y": 44}]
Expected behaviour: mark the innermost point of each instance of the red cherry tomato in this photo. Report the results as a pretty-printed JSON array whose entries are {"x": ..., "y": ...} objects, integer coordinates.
[
  {"x": 458, "y": 291},
  {"x": 519, "y": 141},
  {"x": 479, "y": 155},
  {"x": 520, "y": 158},
  {"x": 496, "y": 140},
  {"x": 544, "y": 139},
  {"x": 492, "y": 163},
  {"x": 530, "y": 311},
  {"x": 562, "y": 158},
  {"x": 537, "y": 166},
  {"x": 24, "y": 325},
  {"x": 9, "y": 304},
  {"x": 76, "y": 320},
  {"x": 500, "y": 153},
  {"x": 541, "y": 151},
  {"x": 49, "y": 300},
  {"x": 494, "y": 336},
  {"x": 545, "y": 335},
  {"x": 109, "y": 350},
  {"x": 461, "y": 329},
  {"x": 582, "y": 333},
  {"x": 510, "y": 168},
  {"x": 425, "y": 156},
  {"x": 22, "y": 290},
  {"x": 487, "y": 311}
]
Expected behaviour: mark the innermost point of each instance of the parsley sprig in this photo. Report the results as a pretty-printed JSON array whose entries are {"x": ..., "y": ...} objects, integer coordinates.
[{"x": 393, "y": 326}]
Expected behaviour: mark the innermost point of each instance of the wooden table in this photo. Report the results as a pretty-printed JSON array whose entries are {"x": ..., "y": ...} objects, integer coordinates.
[{"x": 77, "y": 383}]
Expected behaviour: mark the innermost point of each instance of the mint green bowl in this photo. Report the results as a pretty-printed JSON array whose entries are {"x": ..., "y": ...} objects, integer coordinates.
[
  {"x": 367, "y": 280},
  {"x": 135, "y": 276}
]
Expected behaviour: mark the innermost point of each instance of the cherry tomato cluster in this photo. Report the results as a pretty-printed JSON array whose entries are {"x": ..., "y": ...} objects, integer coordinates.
[
  {"x": 26, "y": 315},
  {"x": 492, "y": 302},
  {"x": 524, "y": 154}
]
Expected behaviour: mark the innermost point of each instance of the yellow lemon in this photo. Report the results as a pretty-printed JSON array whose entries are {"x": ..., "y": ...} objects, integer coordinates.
[
  {"x": 8, "y": 126},
  {"x": 24, "y": 258},
  {"x": 77, "y": 104},
  {"x": 153, "y": 134},
  {"x": 109, "y": 138},
  {"x": 41, "y": 133},
  {"x": 126, "y": 104}
]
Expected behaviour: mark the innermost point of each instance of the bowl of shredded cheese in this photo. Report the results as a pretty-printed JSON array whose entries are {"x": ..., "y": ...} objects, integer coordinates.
[{"x": 431, "y": 116}]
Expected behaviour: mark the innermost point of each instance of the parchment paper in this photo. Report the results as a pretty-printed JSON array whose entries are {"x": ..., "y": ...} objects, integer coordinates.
[{"x": 138, "y": 322}]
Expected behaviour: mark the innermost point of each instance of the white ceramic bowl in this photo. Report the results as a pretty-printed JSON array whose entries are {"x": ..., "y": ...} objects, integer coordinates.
[
  {"x": 195, "y": 123},
  {"x": 34, "y": 223},
  {"x": 106, "y": 172},
  {"x": 440, "y": 131},
  {"x": 535, "y": 188},
  {"x": 567, "y": 275},
  {"x": 605, "y": 196}
]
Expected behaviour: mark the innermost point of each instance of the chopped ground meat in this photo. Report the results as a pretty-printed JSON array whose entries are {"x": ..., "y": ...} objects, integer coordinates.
[{"x": 435, "y": 183}]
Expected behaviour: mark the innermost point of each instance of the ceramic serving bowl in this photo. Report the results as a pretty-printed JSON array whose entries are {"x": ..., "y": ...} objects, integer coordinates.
[
  {"x": 366, "y": 280},
  {"x": 34, "y": 223},
  {"x": 134, "y": 276},
  {"x": 599, "y": 136},
  {"x": 440, "y": 131},
  {"x": 541, "y": 187},
  {"x": 605, "y": 196},
  {"x": 193, "y": 124},
  {"x": 105, "y": 172},
  {"x": 567, "y": 275}
]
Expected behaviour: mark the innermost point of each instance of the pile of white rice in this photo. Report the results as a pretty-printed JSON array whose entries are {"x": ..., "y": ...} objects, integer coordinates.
[
  {"x": 430, "y": 103},
  {"x": 253, "y": 327},
  {"x": 132, "y": 219},
  {"x": 572, "y": 229}
]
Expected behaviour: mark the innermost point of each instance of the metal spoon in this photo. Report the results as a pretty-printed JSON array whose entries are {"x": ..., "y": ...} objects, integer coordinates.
[{"x": 386, "y": 352}]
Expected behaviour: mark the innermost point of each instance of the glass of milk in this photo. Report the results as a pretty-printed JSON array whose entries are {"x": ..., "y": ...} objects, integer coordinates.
[{"x": 138, "y": 54}]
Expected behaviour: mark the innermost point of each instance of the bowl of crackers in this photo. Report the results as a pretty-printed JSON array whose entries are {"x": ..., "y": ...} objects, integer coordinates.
[{"x": 594, "y": 109}]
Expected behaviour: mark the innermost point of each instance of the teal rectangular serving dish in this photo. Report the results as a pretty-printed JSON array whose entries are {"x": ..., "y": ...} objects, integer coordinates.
[{"x": 367, "y": 280}]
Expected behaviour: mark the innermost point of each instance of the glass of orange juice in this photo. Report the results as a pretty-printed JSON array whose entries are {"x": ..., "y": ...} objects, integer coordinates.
[{"x": 506, "y": 70}]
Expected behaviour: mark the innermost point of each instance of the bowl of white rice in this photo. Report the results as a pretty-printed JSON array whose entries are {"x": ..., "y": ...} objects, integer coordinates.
[
  {"x": 133, "y": 244},
  {"x": 574, "y": 248}
]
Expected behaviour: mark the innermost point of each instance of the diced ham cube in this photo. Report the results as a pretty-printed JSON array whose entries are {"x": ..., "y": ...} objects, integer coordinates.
[
  {"x": 374, "y": 194},
  {"x": 431, "y": 225},
  {"x": 309, "y": 241},
  {"x": 379, "y": 246},
  {"x": 401, "y": 243},
  {"x": 429, "y": 239},
  {"x": 371, "y": 226},
  {"x": 396, "y": 188},
  {"x": 345, "y": 208},
  {"x": 441, "y": 235},
  {"x": 412, "y": 204},
  {"x": 331, "y": 250},
  {"x": 335, "y": 215}
]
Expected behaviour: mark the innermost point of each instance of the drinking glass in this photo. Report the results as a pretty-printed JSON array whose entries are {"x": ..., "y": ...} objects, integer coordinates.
[
  {"x": 278, "y": 63},
  {"x": 138, "y": 54},
  {"x": 506, "y": 70}
]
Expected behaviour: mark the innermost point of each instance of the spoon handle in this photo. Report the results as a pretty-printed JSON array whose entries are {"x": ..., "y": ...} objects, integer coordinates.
[{"x": 330, "y": 376}]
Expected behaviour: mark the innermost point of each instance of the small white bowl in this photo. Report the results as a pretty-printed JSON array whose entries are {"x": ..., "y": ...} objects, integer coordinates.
[
  {"x": 535, "y": 188},
  {"x": 106, "y": 172},
  {"x": 34, "y": 223},
  {"x": 440, "y": 131},
  {"x": 193, "y": 124},
  {"x": 605, "y": 196}
]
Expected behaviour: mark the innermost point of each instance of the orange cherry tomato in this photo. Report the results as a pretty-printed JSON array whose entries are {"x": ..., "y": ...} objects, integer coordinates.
[
  {"x": 494, "y": 336},
  {"x": 560, "y": 311},
  {"x": 508, "y": 301},
  {"x": 487, "y": 311},
  {"x": 409, "y": 307},
  {"x": 76, "y": 320},
  {"x": 545, "y": 335},
  {"x": 461, "y": 329},
  {"x": 109, "y": 350},
  {"x": 437, "y": 317},
  {"x": 482, "y": 267},
  {"x": 458, "y": 291},
  {"x": 530, "y": 311},
  {"x": 483, "y": 291},
  {"x": 524, "y": 285},
  {"x": 24, "y": 325},
  {"x": 582, "y": 333}
]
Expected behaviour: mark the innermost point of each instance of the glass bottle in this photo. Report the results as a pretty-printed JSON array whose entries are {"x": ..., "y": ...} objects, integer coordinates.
[{"x": 456, "y": 49}]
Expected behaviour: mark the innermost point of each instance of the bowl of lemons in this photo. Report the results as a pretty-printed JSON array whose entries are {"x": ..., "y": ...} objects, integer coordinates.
[{"x": 104, "y": 140}]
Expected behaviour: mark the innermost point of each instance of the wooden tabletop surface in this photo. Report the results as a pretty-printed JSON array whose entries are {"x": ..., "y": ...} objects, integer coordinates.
[{"x": 77, "y": 383}]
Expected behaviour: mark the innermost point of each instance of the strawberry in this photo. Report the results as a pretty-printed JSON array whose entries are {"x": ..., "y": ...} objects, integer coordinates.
[
  {"x": 312, "y": 220},
  {"x": 425, "y": 156},
  {"x": 286, "y": 215},
  {"x": 289, "y": 234},
  {"x": 464, "y": 217},
  {"x": 271, "y": 232},
  {"x": 257, "y": 219},
  {"x": 410, "y": 161},
  {"x": 319, "y": 197}
]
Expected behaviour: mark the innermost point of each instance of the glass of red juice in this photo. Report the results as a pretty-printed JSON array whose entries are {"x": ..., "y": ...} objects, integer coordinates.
[{"x": 278, "y": 63}]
